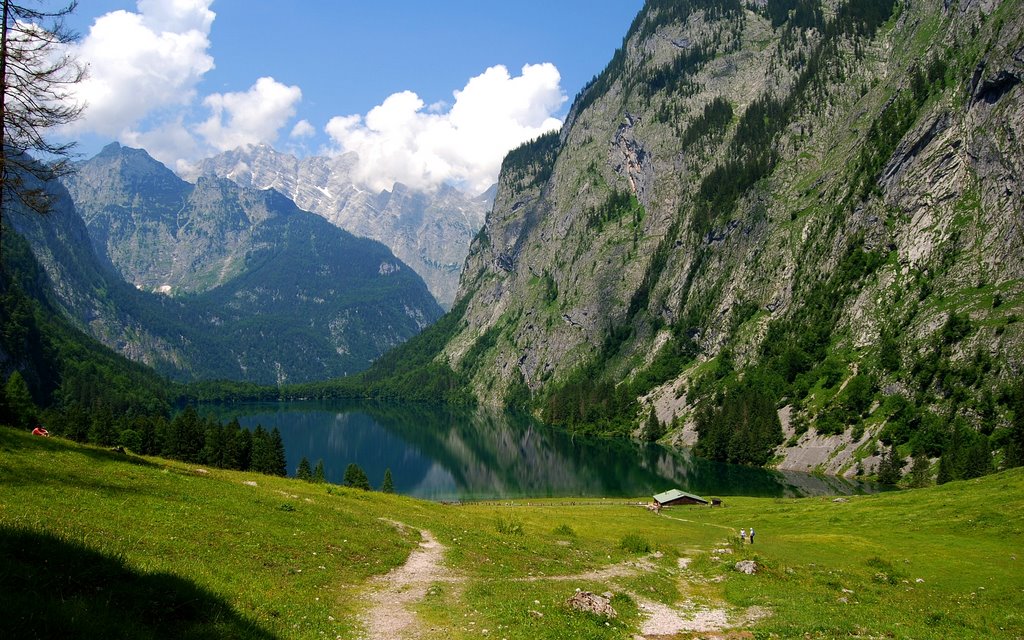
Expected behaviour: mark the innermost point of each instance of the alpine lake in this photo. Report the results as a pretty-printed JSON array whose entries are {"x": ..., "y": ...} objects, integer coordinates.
[{"x": 454, "y": 454}]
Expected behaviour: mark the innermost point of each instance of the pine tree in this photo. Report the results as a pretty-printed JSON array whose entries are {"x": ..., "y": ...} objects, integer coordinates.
[
  {"x": 890, "y": 469},
  {"x": 304, "y": 472},
  {"x": 262, "y": 460},
  {"x": 214, "y": 446},
  {"x": 388, "y": 486},
  {"x": 947, "y": 471},
  {"x": 280, "y": 463},
  {"x": 356, "y": 478},
  {"x": 101, "y": 427},
  {"x": 232, "y": 433},
  {"x": 244, "y": 448},
  {"x": 189, "y": 432},
  {"x": 978, "y": 458},
  {"x": 918, "y": 475},
  {"x": 654, "y": 429},
  {"x": 319, "y": 476},
  {"x": 20, "y": 407},
  {"x": 1015, "y": 445}
]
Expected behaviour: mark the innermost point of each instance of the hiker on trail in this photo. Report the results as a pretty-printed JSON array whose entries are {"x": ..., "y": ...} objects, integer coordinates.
[
  {"x": 40, "y": 431},
  {"x": 743, "y": 535},
  {"x": 751, "y": 535}
]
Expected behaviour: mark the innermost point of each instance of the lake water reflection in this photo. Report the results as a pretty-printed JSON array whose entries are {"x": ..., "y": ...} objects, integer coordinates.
[{"x": 446, "y": 453}]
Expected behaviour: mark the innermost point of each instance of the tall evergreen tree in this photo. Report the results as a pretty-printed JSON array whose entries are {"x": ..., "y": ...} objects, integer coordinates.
[
  {"x": 244, "y": 448},
  {"x": 188, "y": 430},
  {"x": 388, "y": 486},
  {"x": 262, "y": 460},
  {"x": 653, "y": 430},
  {"x": 101, "y": 429},
  {"x": 280, "y": 463},
  {"x": 232, "y": 444},
  {"x": 214, "y": 446},
  {"x": 304, "y": 472},
  {"x": 1015, "y": 445},
  {"x": 890, "y": 469},
  {"x": 919, "y": 475},
  {"x": 977, "y": 458},
  {"x": 319, "y": 476},
  {"x": 947, "y": 472},
  {"x": 356, "y": 478},
  {"x": 21, "y": 410}
]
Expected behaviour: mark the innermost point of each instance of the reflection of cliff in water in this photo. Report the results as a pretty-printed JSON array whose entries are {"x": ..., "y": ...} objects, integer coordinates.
[{"x": 454, "y": 453}]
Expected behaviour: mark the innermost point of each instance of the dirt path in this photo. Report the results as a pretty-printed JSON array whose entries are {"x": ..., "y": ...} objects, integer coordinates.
[{"x": 389, "y": 616}]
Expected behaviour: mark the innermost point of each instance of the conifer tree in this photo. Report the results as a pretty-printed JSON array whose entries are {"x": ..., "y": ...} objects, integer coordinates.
[
  {"x": 232, "y": 435},
  {"x": 187, "y": 436},
  {"x": 654, "y": 429},
  {"x": 977, "y": 459},
  {"x": 947, "y": 471},
  {"x": 356, "y": 478},
  {"x": 890, "y": 469},
  {"x": 214, "y": 446},
  {"x": 319, "y": 476},
  {"x": 918, "y": 475},
  {"x": 101, "y": 428},
  {"x": 280, "y": 462},
  {"x": 388, "y": 486},
  {"x": 304, "y": 472},
  {"x": 262, "y": 460},
  {"x": 244, "y": 447},
  {"x": 22, "y": 410},
  {"x": 1015, "y": 445}
]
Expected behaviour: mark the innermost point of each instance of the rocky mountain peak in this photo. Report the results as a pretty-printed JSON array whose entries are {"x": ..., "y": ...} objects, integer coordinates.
[{"x": 429, "y": 231}]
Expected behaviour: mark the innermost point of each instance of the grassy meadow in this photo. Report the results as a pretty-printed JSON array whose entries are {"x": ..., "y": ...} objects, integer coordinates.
[{"x": 99, "y": 544}]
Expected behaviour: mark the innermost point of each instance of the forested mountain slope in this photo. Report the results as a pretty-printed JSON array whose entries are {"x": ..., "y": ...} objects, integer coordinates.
[
  {"x": 276, "y": 294},
  {"x": 792, "y": 222}
]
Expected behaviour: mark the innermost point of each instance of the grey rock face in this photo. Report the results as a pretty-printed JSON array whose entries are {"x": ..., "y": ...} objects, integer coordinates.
[
  {"x": 551, "y": 285},
  {"x": 430, "y": 232}
]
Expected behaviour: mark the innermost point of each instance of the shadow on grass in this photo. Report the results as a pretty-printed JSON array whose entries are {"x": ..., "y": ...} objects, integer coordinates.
[{"x": 53, "y": 588}]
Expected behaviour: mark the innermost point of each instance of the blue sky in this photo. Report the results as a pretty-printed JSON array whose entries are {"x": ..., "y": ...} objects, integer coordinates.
[{"x": 189, "y": 78}]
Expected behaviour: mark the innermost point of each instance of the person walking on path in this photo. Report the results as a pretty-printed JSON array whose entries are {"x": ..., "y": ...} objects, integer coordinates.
[
  {"x": 751, "y": 535},
  {"x": 743, "y": 535}
]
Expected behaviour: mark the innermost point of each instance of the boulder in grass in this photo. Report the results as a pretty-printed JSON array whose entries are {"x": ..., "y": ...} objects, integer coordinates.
[
  {"x": 748, "y": 567},
  {"x": 592, "y": 603}
]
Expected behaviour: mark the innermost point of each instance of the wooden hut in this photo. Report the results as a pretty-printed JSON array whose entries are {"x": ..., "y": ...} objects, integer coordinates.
[{"x": 675, "y": 497}]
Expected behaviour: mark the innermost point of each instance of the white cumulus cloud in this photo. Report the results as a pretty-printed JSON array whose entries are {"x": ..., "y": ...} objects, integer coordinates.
[
  {"x": 249, "y": 117},
  {"x": 142, "y": 62},
  {"x": 302, "y": 129},
  {"x": 400, "y": 140}
]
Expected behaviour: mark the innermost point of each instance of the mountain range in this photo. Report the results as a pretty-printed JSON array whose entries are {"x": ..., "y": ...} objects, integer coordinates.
[
  {"x": 428, "y": 230},
  {"x": 264, "y": 292},
  {"x": 787, "y": 232}
]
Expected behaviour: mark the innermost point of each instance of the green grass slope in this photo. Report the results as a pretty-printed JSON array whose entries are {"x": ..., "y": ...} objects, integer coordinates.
[{"x": 99, "y": 544}]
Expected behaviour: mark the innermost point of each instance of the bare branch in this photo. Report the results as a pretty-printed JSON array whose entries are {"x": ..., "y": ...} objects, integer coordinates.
[{"x": 36, "y": 80}]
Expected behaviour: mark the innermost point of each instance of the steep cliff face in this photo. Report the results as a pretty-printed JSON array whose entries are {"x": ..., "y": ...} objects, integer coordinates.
[
  {"x": 429, "y": 231},
  {"x": 784, "y": 198}
]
